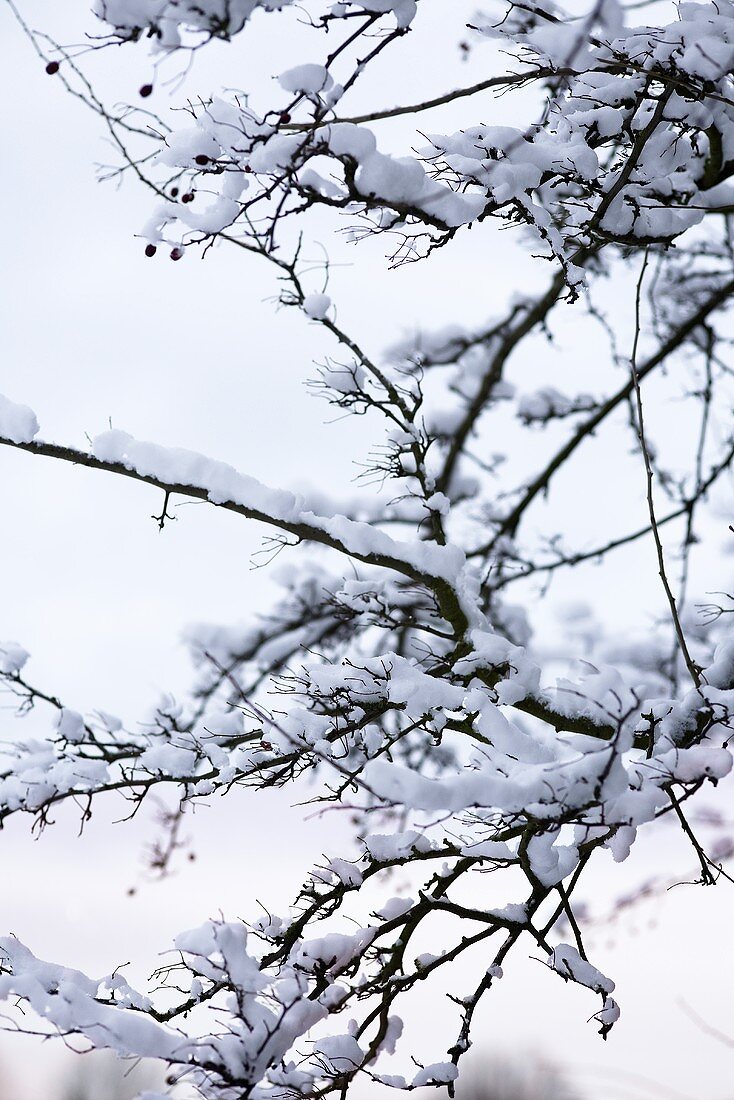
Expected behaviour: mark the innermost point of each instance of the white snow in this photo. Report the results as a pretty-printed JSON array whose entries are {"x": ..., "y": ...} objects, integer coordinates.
[
  {"x": 18, "y": 423},
  {"x": 316, "y": 306},
  {"x": 306, "y": 78}
]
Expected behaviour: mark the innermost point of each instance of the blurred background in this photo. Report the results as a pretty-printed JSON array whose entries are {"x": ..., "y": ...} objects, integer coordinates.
[{"x": 193, "y": 354}]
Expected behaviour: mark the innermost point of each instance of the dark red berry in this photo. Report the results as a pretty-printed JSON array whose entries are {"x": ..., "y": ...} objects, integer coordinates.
[
  {"x": 189, "y": 197},
  {"x": 285, "y": 117},
  {"x": 146, "y": 90},
  {"x": 176, "y": 253},
  {"x": 248, "y": 169},
  {"x": 202, "y": 158},
  {"x": 52, "y": 68},
  {"x": 174, "y": 192},
  {"x": 150, "y": 250}
]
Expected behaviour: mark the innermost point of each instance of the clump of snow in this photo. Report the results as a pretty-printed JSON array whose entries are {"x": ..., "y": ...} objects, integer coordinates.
[
  {"x": 12, "y": 658},
  {"x": 395, "y": 907},
  {"x": 567, "y": 962},
  {"x": 439, "y": 1073},
  {"x": 306, "y": 78},
  {"x": 70, "y": 725},
  {"x": 18, "y": 423},
  {"x": 342, "y": 1051},
  {"x": 316, "y": 306},
  {"x": 547, "y": 403}
]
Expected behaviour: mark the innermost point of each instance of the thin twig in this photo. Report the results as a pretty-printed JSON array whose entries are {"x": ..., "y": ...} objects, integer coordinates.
[{"x": 690, "y": 665}]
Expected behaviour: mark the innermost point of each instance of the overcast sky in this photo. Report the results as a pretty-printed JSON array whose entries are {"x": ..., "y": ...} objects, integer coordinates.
[{"x": 193, "y": 354}]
